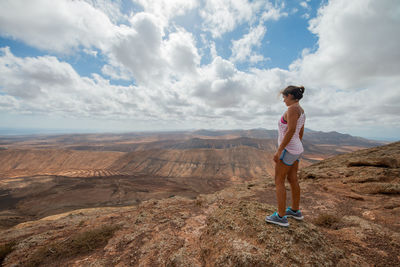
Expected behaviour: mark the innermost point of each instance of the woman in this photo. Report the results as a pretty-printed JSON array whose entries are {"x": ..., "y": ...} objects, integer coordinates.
[{"x": 290, "y": 149}]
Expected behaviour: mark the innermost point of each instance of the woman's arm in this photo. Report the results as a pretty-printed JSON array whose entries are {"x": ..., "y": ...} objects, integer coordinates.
[{"x": 301, "y": 133}]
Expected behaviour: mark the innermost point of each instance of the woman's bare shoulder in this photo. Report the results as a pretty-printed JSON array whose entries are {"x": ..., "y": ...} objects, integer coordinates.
[{"x": 295, "y": 110}]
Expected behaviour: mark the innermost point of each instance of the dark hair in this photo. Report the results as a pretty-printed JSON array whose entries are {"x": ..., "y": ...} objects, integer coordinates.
[{"x": 296, "y": 91}]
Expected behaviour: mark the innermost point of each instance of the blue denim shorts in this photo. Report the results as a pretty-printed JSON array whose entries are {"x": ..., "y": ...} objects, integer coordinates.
[{"x": 289, "y": 158}]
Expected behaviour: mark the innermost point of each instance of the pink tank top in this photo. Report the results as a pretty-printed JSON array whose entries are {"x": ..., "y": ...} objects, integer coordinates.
[{"x": 295, "y": 146}]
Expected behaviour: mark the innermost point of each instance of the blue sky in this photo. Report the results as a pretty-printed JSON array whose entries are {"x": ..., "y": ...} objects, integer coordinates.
[{"x": 136, "y": 65}]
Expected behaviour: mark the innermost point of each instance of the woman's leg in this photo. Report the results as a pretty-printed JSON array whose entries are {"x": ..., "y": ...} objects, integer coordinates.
[
  {"x": 294, "y": 185},
  {"x": 281, "y": 170}
]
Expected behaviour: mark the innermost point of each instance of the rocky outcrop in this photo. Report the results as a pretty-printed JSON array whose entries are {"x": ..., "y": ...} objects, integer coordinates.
[
  {"x": 362, "y": 190},
  {"x": 220, "y": 229}
]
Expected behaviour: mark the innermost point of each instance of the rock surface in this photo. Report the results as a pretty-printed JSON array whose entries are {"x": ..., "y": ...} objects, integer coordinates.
[{"x": 220, "y": 229}]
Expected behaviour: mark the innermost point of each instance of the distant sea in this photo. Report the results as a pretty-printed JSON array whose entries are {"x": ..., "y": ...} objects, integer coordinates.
[{"x": 34, "y": 131}]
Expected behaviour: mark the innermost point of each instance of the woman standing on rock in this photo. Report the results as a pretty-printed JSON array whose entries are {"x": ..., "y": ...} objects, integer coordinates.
[{"x": 290, "y": 149}]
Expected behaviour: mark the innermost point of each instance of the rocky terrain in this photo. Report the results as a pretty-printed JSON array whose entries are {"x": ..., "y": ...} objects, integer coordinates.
[{"x": 351, "y": 205}]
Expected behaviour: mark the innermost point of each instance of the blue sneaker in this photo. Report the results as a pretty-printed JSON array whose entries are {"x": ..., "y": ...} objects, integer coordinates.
[
  {"x": 274, "y": 218},
  {"x": 291, "y": 214}
]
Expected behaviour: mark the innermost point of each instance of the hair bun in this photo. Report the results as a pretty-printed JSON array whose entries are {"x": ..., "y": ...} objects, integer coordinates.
[{"x": 296, "y": 91}]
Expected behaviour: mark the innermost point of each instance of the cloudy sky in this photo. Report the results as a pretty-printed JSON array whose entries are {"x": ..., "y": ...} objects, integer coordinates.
[{"x": 134, "y": 65}]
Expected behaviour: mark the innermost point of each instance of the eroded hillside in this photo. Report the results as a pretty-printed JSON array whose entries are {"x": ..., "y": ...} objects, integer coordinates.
[
  {"x": 220, "y": 229},
  {"x": 30, "y": 162}
]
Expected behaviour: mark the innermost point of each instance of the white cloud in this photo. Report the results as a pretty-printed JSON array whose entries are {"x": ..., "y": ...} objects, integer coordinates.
[
  {"x": 111, "y": 8},
  {"x": 346, "y": 111},
  {"x": 224, "y": 16},
  {"x": 242, "y": 49},
  {"x": 353, "y": 77},
  {"x": 226, "y": 90},
  {"x": 8, "y": 103},
  {"x": 32, "y": 77},
  {"x": 223, "y": 93},
  {"x": 221, "y": 68},
  {"x": 60, "y": 26},
  {"x": 294, "y": 11},
  {"x": 142, "y": 52},
  {"x": 272, "y": 14},
  {"x": 304, "y": 4},
  {"x": 207, "y": 47},
  {"x": 358, "y": 44},
  {"x": 47, "y": 85},
  {"x": 137, "y": 50},
  {"x": 181, "y": 52},
  {"x": 167, "y": 9},
  {"x": 117, "y": 72}
]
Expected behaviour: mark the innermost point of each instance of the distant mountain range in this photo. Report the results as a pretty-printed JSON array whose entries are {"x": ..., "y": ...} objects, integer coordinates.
[
  {"x": 315, "y": 137},
  {"x": 185, "y": 139}
]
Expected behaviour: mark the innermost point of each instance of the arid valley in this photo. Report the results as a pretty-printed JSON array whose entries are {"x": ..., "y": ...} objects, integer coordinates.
[{"x": 185, "y": 188}]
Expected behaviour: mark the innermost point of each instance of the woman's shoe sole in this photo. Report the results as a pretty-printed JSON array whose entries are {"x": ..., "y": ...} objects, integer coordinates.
[
  {"x": 278, "y": 223},
  {"x": 294, "y": 217}
]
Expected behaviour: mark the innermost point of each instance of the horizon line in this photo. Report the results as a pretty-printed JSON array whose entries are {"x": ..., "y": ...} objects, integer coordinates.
[{"x": 9, "y": 131}]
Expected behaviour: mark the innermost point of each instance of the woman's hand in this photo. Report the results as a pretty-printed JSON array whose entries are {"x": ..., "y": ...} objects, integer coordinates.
[{"x": 276, "y": 155}]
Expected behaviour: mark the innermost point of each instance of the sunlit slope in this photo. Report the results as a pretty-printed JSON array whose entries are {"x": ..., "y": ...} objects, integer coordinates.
[
  {"x": 30, "y": 162},
  {"x": 242, "y": 161},
  {"x": 234, "y": 162}
]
